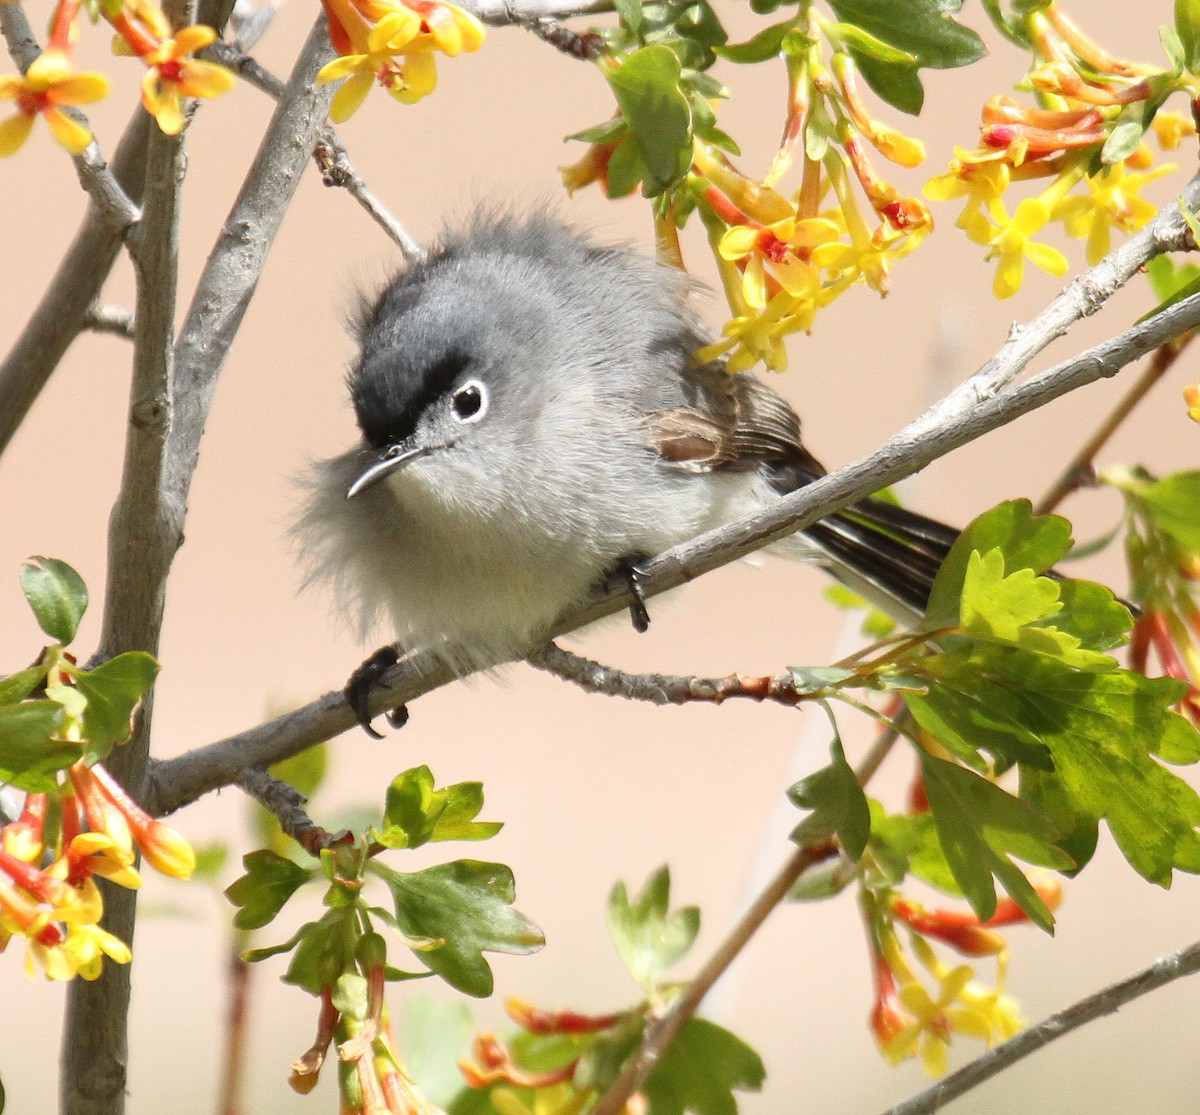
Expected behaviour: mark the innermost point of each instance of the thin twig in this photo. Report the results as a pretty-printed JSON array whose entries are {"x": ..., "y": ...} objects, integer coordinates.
[
  {"x": 110, "y": 319},
  {"x": 1081, "y": 471},
  {"x": 661, "y": 1033},
  {"x": 1186, "y": 962},
  {"x": 503, "y": 12},
  {"x": 660, "y": 689},
  {"x": 286, "y": 804},
  {"x": 102, "y": 186},
  {"x": 330, "y": 154},
  {"x": 176, "y": 782}
]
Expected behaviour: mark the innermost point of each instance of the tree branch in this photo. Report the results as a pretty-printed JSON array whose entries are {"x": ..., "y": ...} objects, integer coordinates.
[
  {"x": 236, "y": 261},
  {"x": 1186, "y": 962},
  {"x": 109, "y": 319},
  {"x": 72, "y": 292},
  {"x": 176, "y": 782}
]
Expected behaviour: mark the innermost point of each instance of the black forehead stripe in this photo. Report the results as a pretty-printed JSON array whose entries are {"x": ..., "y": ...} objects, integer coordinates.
[{"x": 390, "y": 392}]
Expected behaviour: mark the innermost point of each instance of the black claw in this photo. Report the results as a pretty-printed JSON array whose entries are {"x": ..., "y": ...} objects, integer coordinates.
[
  {"x": 363, "y": 680},
  {"x": 638, "y": 613}
]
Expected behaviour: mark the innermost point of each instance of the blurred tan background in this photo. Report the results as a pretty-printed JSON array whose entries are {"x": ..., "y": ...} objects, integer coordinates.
[{"x": 591, "y": 789}]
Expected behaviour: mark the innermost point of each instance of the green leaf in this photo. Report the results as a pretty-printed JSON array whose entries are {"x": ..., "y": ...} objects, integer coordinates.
[
  {"x": 1187, "y": 26},
  {"x": 1101, "y": 733},
  {"x": 647, "y": 89},
  {"x": 1126, "y": 134},
  {"x": 907, "y": 843},
  {"x": 864, "y": 43},
  {"x": 29, "y": 751},
  {"x": 923, "y": 29},
  {"x": 979, "y": 827},
  {"x": 768, "y": 43},
  {"x": 467, "y": 904},
  {"x": 838, "y": 805},
  {"x": 16, "y": 687},
  {"x": 818, "y": 679},
  {"x": 1175, "y": 501},
  {"x": 1027, "y": 541},
  {"x": 57, "y": 595},
  {"x": 701, "y": 1070},
  {"x": 1173, "y": 48},
  {"x": 630, "y": 13},
  {"x": 1171, "y": 281},
  {"x": 606, "y": 132},
  {"x": 648, "y": 938},
  {"x": 897, "y": 83},
  {"x": 626, "y": 169},
  {"x": 416, "y": 813},
  {"x": 1015, "y": 609},
  {"x": 321, "y": 951},
  {"x": 113, "y": 691},
  {"x": 269, "y": 882}
]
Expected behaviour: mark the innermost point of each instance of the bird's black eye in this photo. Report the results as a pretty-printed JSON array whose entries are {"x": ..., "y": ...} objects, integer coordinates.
[{"x": 469, "y": 402}]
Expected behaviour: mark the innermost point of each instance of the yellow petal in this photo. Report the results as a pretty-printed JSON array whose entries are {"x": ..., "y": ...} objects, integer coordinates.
[
  {"x": 14, "y": 132},
  {"x": 163, "y": 102},
  {"x": 48, "y": 68},
  {"x": 350, "y": 96},
  {"x": 196, "y": 37},
  {"x": 341, "y": 67},
  {"x": 81, "y": 89},
  {"x": 737, "y": 241},
  {"x": 420, "y": 78},
  {"x": 470, "y": 28},
  {"x": 205, "y": 79},
  {"x": 69, "y": 133},
  {"x": 11, "y": 87},
  {"x": 1049, "y": 259}
]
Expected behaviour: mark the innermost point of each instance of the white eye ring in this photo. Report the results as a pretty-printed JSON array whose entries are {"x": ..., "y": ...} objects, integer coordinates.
[{"x": 469, "y": 403}]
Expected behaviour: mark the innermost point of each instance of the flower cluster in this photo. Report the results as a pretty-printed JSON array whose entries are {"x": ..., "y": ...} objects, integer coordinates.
[
  {"x": 784, "y": 256},
  {"x": 1085, "y": 137},
  {"x": 172, "y": 73},
  {"x": 918, "y": 1016},
  {"x": 392, "y": 42},
  {"x": 50, "y": 856}
]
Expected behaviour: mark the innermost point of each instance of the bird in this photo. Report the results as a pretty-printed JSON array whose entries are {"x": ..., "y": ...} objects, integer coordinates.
[{"x": 533, "y": 420}]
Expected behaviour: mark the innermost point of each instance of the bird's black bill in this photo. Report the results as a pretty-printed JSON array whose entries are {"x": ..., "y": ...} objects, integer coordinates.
[{"x": 389, "y": 461}]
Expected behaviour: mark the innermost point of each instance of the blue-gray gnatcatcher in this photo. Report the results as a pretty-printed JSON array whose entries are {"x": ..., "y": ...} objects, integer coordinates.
[{"x": 533, "y": 419}]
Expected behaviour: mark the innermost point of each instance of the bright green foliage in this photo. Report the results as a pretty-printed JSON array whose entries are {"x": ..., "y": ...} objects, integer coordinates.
[
  {"x": 57, "y": 595},
  {"x": 838, "y": 804},
  {"x": 1187, "y": 27},
  {"x": 55, "y": 713},
  {"x": 416, "y": 813},
  {"x": 1022, "y": 678},
  {"x": 448, "y": 915},
  {"x": 701, "y": 1071},
  {"x": 465, "y": 906},
  {"x": 648, "y": 937},
  {"x": 264, "y": 890},
  {"x": 923, "y": 30}
]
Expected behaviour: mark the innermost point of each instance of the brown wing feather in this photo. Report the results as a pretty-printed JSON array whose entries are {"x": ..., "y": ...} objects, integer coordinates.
[{"x": 735, "y": 422}]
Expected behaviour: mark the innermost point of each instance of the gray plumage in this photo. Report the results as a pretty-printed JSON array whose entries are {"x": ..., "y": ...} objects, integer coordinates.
[{"x": 532, "y": 415}]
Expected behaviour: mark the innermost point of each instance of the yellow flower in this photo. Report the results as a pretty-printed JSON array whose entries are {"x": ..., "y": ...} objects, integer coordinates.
[
  {"x": 47, "y": 84},
  {"x": 1010, "y": 241},
  {"x": 1112, "y": 201},
  {"x": 87, "y": 945},
  {"x": 408, "y": 81},
  {"x": 172, "y": 75}
]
